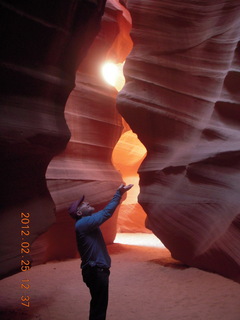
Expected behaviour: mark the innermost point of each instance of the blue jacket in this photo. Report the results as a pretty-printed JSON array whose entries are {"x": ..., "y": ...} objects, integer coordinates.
[{"x": 91, "y": 245}]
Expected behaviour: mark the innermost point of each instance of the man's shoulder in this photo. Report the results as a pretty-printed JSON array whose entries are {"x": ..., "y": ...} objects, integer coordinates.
[
  {"x": 81, "y": 221},
  {"x": 87, "y": 220}
]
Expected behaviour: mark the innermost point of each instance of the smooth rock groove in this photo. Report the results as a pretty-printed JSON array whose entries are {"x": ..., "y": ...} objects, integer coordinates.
[{"x": 182, "y": 99}]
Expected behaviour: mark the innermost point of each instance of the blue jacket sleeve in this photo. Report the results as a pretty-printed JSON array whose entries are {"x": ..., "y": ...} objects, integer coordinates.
[{"x": 88, "y": 223}]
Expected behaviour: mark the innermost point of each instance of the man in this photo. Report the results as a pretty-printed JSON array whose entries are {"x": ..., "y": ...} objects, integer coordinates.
[{"x": 93, "y": 251}]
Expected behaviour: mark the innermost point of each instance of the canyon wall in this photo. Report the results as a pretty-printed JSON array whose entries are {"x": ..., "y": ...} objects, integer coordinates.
[
  {"x": 182, "y": 99},
  {"x": 41, "y": 47},
  {"x": 85, "y": 166}
]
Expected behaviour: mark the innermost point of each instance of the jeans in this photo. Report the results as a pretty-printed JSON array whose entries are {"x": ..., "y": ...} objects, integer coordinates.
[{"x": 97, "y": 280}]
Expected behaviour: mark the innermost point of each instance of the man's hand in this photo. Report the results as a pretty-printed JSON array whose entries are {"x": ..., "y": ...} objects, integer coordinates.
[{"x": 123, "y": 188}]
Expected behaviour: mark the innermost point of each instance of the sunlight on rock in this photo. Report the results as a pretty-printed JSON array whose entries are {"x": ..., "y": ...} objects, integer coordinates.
[
  {"x": 113, "y": 74},
  {"x": 139, "y": 239}
]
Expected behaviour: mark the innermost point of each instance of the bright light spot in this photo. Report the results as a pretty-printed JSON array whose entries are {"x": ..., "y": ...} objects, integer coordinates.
[
  {"x": 113, "y": 74},
  {"x": 139, "y": 239}
]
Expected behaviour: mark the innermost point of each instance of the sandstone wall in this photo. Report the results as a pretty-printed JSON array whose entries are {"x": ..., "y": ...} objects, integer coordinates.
[
  {"x": 182, "y": 99},
  {"x": 85, "y": 167},
  {"x": 41, "y": 47}
]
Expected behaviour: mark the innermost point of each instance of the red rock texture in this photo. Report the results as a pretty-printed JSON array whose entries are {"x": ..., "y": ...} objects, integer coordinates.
[
  {"x": 85, "y": 167},
  {"x": 182, "y": 99},
  {"x": 41, "y": 47}
]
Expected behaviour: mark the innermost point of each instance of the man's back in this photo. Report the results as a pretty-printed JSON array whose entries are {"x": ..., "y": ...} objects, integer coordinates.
[{"x": 92, "y": 247}]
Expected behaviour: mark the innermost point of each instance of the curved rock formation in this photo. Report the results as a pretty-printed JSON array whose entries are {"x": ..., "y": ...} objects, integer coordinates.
[
  {"x": 41, "y": 47},
  {"x": 85, "y": 166},
  {"x": 182, "y": 99},
  {"x": 127, "y": 156}
]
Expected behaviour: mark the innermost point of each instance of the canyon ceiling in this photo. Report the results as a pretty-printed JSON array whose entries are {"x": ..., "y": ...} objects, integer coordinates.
[{"x": 65, "y": 132}]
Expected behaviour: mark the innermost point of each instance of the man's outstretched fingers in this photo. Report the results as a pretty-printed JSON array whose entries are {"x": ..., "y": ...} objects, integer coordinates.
[{"x": 123, "y": 188}]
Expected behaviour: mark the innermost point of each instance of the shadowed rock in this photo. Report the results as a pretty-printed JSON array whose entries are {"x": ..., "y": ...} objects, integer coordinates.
[
  {"x": 182, "y": 99},
  {"x": 41, "y": 47}
]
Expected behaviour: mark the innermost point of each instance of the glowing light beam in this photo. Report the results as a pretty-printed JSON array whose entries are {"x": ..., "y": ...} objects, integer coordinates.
[
  {"x": 113, "y": 74},
  {"x": 139, "y": 239}
]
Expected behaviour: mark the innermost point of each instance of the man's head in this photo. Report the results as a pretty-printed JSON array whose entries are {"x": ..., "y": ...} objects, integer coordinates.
[
  {"x": 80, "y": 208},
  {"x": 84, "y": 209}
]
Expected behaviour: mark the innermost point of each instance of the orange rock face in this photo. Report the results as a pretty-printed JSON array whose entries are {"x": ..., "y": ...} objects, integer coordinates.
[
  {"x": 127, "y": 156},
  {"x": 182, "y": 99},
  {"x": 85, "y": 167}
]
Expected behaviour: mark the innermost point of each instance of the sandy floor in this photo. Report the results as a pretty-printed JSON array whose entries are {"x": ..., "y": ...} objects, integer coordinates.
[{"x": 145, "y": 284}]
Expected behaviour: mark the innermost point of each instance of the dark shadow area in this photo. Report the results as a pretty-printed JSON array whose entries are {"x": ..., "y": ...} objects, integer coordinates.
[
  {"x": 16, "y": 314},
  {"x": 19, "y": 314},
  {"x": 170, "y": 263}
]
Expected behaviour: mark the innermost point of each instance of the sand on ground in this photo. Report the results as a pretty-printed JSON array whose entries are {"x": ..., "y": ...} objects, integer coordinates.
[{"x": 145, "y": 284}]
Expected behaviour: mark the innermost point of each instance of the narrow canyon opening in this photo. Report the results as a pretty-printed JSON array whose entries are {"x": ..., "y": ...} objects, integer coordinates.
[
  {"x": 127, "y": 156},
  {"x": 129, "y": 152},
  {"x": 102, "y": 150}
]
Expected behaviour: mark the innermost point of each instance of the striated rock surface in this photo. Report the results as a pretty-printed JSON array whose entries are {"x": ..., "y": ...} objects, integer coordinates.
[
  {"x": 182, "y": 99},
  {"x": 85, "y": 167},
  {"x": 41, "y": 47}
]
